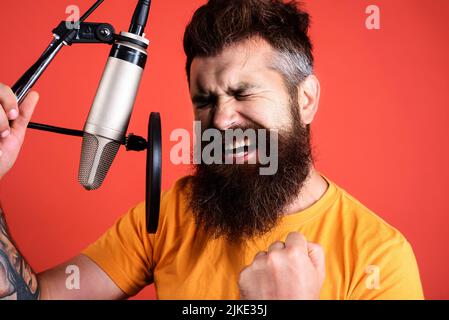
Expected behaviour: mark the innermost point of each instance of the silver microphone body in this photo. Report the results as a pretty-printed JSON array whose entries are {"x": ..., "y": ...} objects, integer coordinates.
[{"x": 107, "y": 124}]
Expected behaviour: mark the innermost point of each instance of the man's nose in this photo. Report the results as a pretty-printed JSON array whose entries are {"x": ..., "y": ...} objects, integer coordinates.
[{"x": 225, "y": 114}]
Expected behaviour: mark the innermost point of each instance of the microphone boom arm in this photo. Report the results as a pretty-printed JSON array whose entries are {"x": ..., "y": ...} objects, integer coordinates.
[
  {"x": 86, "y": 32},
  {"x": 30, "y": 77}
]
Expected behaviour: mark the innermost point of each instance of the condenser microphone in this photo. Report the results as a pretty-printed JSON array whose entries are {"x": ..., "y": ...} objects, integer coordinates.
[{"x": 108, "y": 120}]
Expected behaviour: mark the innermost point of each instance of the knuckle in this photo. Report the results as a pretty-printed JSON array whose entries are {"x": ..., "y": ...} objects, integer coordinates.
[
  {"x": 9, "y": 100},
  {"x": 259, "y": 257},
  {"x": 297, "y": 236},
  {"x": 259, "y": 262},
  {"x": 301, "y": 236},
  {"x": 3, "y": 127},
  {"x": 273, "y": 258},
  {"x": 244, "y": 274},
  {"x": 4, "y": 123},
  {"x": 293, "y": 251},
  {"x": 8, "y": 105},
  {"x": 276, "y": 245}
]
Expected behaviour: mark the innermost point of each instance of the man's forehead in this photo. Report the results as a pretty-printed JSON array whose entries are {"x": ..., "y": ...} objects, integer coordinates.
[{"x": 240, "y": 63}]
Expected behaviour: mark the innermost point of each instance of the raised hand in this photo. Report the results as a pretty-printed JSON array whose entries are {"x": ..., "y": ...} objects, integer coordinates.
[{"x": 14, "y": 120}]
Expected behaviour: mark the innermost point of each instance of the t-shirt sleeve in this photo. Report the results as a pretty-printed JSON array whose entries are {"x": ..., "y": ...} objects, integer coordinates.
[
  {"x": 392, "y": 274},
  {"x": 125, "y": 252}
]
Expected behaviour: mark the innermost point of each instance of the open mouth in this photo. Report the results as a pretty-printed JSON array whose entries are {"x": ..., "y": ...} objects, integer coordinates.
[{"x": 239, "y": 149}]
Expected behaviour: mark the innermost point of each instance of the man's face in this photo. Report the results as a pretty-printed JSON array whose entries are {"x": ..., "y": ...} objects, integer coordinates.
[{"x": 238, "y": 89}]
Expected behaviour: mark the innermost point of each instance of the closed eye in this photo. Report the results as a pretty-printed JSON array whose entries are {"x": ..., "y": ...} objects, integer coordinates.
[
  {"x": 202, "y": 105},
  {"x": 241, "y": 93},
  {"x": 240, "y": 97},
  {"x": 202, "y": 101}
]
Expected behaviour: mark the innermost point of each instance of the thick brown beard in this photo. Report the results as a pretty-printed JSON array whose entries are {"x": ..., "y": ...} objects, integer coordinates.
[{"x": 236, "y": 202}]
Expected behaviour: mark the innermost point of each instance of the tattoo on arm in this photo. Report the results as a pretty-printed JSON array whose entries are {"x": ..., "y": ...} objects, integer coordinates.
[{"x": 17, "y": 279}]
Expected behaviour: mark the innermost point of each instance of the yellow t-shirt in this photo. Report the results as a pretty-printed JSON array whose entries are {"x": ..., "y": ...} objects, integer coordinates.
[{"x": 365, "y": 257}]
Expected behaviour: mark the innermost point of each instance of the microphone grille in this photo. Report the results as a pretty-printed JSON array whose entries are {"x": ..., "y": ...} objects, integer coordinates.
[{"x": 97, "y": 155}]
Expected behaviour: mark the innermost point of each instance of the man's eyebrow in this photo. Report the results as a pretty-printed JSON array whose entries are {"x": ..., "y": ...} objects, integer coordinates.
[{"x": 242, "y": 87}]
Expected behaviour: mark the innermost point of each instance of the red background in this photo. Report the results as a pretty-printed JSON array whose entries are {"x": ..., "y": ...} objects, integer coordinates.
[{"x": 381, "y": 132}]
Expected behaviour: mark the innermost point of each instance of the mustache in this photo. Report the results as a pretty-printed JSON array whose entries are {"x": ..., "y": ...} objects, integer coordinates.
[{"x": 244, "y": 128}]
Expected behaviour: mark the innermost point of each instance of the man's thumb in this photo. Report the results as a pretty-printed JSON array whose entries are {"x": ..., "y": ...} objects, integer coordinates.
[{"x": 316, "y": 255}]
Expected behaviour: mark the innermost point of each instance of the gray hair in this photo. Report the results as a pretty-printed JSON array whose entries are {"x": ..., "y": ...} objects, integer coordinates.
[{"x": 295, "y": 67}]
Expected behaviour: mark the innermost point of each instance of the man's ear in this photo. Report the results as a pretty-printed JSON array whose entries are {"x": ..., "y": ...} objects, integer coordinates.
[{"x": 309, "y": 98}]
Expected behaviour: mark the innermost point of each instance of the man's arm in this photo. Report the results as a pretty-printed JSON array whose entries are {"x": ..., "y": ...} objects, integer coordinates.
[
  {"x": 17, "y": 279},
  {"x": 19, "y": 282}
]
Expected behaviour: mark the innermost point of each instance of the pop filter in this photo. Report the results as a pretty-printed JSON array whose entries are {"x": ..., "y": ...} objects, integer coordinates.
[{"x": 154, "y": 172}]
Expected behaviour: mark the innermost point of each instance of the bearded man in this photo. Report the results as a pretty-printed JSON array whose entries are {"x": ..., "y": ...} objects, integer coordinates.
[{"x": 228, "y": 232}]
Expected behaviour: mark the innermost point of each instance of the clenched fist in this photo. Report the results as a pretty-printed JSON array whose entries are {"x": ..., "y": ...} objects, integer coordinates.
[{"x": 293, "y": 270}]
